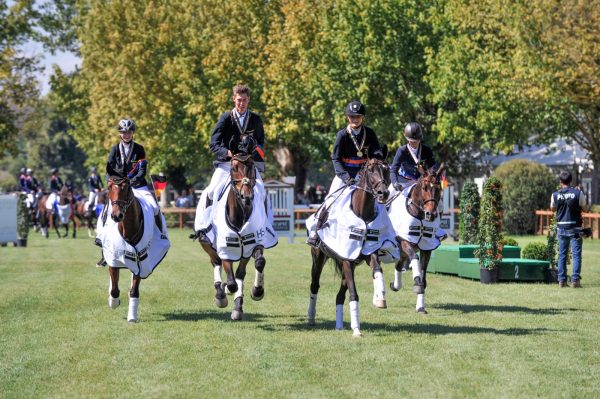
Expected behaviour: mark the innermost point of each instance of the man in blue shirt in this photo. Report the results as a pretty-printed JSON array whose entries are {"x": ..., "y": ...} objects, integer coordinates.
[{"x": 568, "y": 202}]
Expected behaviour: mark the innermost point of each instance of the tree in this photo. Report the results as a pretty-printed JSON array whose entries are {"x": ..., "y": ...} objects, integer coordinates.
[{"x": 489, "y": 236}]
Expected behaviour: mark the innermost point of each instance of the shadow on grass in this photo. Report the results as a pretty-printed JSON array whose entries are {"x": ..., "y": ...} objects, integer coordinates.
[
  {"x": 466, "y": 308},
  {"x": 224, "y": 315}
]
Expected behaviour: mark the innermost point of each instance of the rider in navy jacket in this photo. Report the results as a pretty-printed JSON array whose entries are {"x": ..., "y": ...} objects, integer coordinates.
[
  {"x": 404, "y": 170},
  {"x": 56, "y": 182}
]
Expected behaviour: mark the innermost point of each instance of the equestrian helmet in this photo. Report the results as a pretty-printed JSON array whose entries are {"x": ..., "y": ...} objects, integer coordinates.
[
  {"x": 22, "y": 171},
  {"x": 29, "y": 171},
  {"x": 93, "y": 169},
  {"x": 413, "y": 131},
  {"x": 54, "y": 171},
  {"x": 126, "y": 125},
  {"x": 355, "y": 108}
]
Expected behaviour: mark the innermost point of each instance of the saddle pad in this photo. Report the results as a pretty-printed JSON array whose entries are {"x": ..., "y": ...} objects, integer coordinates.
[
  {"x": 147, "y": 254},
  {"x": 348, "y": 236},
  {"x": 64, "y": 213},
  {"x": 426, "y": 235}
]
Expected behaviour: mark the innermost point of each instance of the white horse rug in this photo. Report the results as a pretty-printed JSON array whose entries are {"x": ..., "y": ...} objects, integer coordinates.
[
  {"x": 426, "y": 235},
  {"x": 257, "y": 231},
  {"x": 141, "y": 259},
  {"x": 348, "y": 236}
]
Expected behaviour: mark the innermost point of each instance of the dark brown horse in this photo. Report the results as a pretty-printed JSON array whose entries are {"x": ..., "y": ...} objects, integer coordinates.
[
  {"x": 422, "y": 205},
  {"x": 127, "y": 212},
  {"x": 372, "y": 188},
  {"x": 239, "y": 208},
  {"x": 86, "y": 215},
  {"x": 48, "y": 217}
]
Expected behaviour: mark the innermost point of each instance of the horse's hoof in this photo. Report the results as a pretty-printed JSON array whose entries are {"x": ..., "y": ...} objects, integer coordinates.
[
  {"x": 237, "y": 314},
  {"x": 132, "y": 321},
  {"x": 113, "y": 303},
  {"x": 393, "y": 288},
  {"x": 312, "y": 322},
  {"x": 356, "y": 333},
  {"x": 257, "y": 293},
  {"x": 421, "y": 311},
  {"x": 221, "y": 302},
  {"x": 380, "y": 303}
]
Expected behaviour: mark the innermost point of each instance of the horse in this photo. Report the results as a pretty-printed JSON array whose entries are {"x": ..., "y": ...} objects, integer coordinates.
[
  {"x": 127, "y": 212},
  {"x": 47, "y": 217},
  {"x": 371, "y": 190},
  {"x": 87, "y": 215},
  {"x": 239, "y": 208},
  {"x": 416, "y": 230}
]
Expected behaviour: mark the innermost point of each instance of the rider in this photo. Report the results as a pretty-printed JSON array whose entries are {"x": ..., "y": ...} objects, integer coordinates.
[
  {"x": 225, "y": 142},
  {"x": 404, "y": 170},
  {"x": 56, "y": 184},
  {"x": 23, "y": 180},
  {"x": 95, "y": 186},
  {"x": 32, "y": 182},
  {"x": 353, "y": 145}
]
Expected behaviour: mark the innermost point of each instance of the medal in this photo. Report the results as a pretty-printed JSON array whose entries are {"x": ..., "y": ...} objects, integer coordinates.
[
  {"x": 359, "y": 148},
  {"x": 359, "y": 153}
]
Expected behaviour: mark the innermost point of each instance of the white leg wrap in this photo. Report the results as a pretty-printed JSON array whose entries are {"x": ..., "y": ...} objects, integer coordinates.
[
  {"x": 420, "y": 301},
  {"x": 259, "y": 279},
  {"x": 415, "y": 268},
  {"x": 397, "y": 279},
  {"x": 132, "y": 315},
  {"x": 354, "y": 322},
  {"x": 217, "y": 274},
  {"x": 339, "y": 317},
  {"x": 240, "y": 291},
  {"x": 378, "y": 285},
  {"x": 312, "y": 308}
]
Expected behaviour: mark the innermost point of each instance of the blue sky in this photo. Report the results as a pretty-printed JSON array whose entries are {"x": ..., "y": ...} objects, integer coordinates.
[{"x": 66, "y": 61}]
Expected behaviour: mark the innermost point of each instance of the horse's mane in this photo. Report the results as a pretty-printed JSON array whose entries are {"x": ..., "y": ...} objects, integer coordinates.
[
  {"x": 243, "y": 158},
  {"x": 118, "y": 179}
]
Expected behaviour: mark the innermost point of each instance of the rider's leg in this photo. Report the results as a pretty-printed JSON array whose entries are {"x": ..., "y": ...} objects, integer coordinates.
[
  {"x": 205, "y": 205},
  {"x": 321, "y": 216},
  {"x": 92, "y": 201}
]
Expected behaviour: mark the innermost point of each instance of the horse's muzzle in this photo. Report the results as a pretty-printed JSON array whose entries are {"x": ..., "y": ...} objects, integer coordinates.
[
  {"x": 382, "y": 196},
  {"x": 117, "y": 217},
  {"x": 430, "y": 216}
]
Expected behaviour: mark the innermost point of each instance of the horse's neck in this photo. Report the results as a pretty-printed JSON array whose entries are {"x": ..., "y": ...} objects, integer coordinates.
[
  {"x": 415, "y": 199},
  {"x": 131, "y": 227},
  {"x": 363, "y": 205},
  {"x": 238, "y": 213}
]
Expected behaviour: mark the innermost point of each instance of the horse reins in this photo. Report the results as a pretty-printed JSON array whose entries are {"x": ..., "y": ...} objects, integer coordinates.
[
  {"x": 421, "y": 207},
  {"x": 370, "y": 188},
  {"x": 123, "y": 205}
]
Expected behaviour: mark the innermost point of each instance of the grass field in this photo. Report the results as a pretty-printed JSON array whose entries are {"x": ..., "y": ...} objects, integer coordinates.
[{"x": 58, "y": 338}]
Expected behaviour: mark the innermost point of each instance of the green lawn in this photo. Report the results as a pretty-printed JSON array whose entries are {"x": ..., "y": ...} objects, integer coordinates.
[{"x": 58, "y": 338}]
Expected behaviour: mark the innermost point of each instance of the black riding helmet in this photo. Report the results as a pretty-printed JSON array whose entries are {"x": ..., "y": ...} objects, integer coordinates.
[
  {"x": 413, "y": 131},
  {"x": 54, "y": 171},
  {"x": 355, "y": 108}
]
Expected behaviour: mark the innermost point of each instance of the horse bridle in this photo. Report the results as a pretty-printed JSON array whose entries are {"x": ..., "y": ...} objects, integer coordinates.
[
  {"x": 123, "y": 205},
  {"x": 246, "y": 181},
  {"x": 371, "y": 187},
  {"x": 421, "y": 207}
]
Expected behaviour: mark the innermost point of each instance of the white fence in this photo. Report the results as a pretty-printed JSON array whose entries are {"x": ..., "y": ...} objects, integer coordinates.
[
  {"x": 446, "y": 208},
  {"x": 281, "y": 196}
]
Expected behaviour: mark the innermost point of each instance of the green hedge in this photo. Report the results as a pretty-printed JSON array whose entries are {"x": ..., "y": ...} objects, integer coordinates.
[
  {"x": 527, "y": 186},
  {"x": 469, "y": 213},
  {"x": 535, "y": 250},
  {"x": 489, "y": 236}
]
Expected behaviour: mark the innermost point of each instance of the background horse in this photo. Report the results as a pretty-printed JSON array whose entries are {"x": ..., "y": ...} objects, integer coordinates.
[
  {"x": 48, "y": 217},
  {"x": 127, "y": 212},
  {"x": 87, "y": 215},
  {"x": 422, "y": 205},
  {"x": 239, "y": 209},
  {"x": 372, "y": 188}
]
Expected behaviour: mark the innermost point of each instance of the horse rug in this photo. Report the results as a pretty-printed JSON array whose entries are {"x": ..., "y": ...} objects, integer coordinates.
[
  {"x": 422, "y": 233},
  {"x": 233, "y": 245},
  {"x": 349, "y": 237},
  {"x": 142, "y": 258},
  {"x": 64, "y": 211}
]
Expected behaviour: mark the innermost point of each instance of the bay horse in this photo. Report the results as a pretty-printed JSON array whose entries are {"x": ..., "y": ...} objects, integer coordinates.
[
  {"x": 422, "y": 206},
  {"x": 48, "y": 218},
  {"x": 239, "y": 208},
  {"x": 371, "y": 189},
  {"x": 127, "y": 212},
  {"x": 86, "y": 215}
]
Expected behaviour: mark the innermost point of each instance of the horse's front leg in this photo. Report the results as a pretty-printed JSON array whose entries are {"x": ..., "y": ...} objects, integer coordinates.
[
  {"x": 399, "y": 268},
  {"x": 238, "y": 299},
  {"x": 420, "y": 306},
  {"x": 318, "y": 261},
  {"x": 220, "y": 294},
  {"x": 134, "y": 298},
  {"x": 410, "y": 250},
  {"x": 378, "y": 282},
  {"x": 231, "y": 286},
  {"x": 113, "y": 288},
  {"x": 258, "y": 289},
  {"x": 348, "y": 270},
  {"x": 74, "y": 228},
  {"x": 55, "y": 225}
]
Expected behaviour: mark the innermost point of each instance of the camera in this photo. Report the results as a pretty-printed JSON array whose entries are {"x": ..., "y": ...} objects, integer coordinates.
[{"x": 586, "y": 232}]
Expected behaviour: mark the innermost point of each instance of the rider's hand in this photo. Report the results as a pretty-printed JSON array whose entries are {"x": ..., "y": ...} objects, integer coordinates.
[
  {"x": 350, "y": 181},
  {"x": 397, "y": 186}
]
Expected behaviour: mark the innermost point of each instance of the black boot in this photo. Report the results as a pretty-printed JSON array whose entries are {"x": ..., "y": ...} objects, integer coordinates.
[{"x": 101, "y": 262}]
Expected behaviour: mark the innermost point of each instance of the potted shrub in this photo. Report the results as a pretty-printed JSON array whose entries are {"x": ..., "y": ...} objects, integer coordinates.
[
  {"x": 489, "y": 235},
  {"x": 469, "y": 213},
  {"x": 22, "y": 222}
]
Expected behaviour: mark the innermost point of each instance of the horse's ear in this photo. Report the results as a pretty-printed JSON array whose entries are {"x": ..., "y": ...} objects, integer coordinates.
[
  {"x": 440, "y": 170},
  {"x": 421, "y": 169}
]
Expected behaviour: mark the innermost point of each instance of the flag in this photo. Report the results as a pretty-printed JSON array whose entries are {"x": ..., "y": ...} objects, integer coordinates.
[
  {"x": 160, "y": 183},
  {"x": 444, "y": 182}
]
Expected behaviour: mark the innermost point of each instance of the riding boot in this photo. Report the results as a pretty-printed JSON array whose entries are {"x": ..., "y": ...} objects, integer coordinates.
[
  {"x": 314, "y": 239},
  {"x": 101, "y": 262}
]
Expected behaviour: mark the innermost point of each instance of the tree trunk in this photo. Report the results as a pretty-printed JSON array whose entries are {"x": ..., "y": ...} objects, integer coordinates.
[
  {"x": 595, "y": 191},
  {"x": 294, "y": 162}
]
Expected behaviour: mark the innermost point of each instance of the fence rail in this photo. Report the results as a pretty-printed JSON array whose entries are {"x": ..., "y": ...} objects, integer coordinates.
[{"x": 543, "y": 217}]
